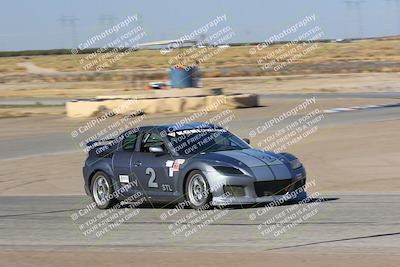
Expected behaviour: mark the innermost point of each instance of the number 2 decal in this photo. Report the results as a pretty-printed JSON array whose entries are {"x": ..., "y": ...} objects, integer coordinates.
[{"x": 152, "y": 181}]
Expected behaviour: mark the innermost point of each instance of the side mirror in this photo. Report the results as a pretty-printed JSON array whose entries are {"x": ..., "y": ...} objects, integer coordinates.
[
  {"x": 156, "y": 149},
  {"x": 247, "y": 140}
]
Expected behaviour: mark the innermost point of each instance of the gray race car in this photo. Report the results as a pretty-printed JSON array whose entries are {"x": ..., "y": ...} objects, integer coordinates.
[{"x": 198, "y": 163}]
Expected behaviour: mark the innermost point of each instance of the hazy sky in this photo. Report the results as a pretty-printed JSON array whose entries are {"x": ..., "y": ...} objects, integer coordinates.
[{"x": 37, "y": 24}]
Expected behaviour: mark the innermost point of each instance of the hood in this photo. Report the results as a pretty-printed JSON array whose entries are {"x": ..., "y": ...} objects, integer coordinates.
[
  {"x": 263, "y": 165},
  {"x": 249, "y": 157}
]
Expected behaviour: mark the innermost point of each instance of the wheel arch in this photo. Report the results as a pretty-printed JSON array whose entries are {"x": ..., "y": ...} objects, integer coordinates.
[
  {"x": 186, "y": 176},
  {"x": 94, "y": 171},
  {"x": 199, "y": 165}
]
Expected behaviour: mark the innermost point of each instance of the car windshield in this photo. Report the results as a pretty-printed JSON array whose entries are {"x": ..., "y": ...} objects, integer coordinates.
[{"x": 196, "y": 141}]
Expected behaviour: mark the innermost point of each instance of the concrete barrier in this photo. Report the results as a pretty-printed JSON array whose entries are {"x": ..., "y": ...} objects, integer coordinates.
[
  {"x": 168, "y": 105},
  {"x": 187, "y": 92},
  {"x": 192, "y": 104},
  {"x": 94, "y": 107},
  {"x": 169, "y": 93},
  {"x": 81, "y": 108}
]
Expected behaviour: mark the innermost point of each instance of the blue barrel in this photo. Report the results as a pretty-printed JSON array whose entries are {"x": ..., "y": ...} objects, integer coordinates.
[{"x": 182, "y": 78}]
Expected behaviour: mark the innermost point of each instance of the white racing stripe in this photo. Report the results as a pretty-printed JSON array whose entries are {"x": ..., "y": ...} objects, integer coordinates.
[{"x": 335, "y": 110}]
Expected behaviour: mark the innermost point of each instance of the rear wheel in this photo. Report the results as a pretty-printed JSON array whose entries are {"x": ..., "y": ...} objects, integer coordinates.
[
  {"x": 102, "y": 191},
  {"x": 198, "y": 191}
]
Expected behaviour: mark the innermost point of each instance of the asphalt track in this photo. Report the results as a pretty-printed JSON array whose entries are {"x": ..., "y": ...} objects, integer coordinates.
[{"x": 337, "y": 223}]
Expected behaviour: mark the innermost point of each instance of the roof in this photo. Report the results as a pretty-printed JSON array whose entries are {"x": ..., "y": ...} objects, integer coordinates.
[{"x": 178, "y": 126}]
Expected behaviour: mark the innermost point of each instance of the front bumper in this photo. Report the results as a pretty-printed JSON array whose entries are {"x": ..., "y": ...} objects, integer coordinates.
[
  {"x": 251, "y": 195},
  {"x": 246, "y": 200}
]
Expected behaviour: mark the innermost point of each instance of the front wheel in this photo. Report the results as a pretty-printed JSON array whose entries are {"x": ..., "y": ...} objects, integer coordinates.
[
  {"x": 198, "y": 191},
  {"x": 102, "y": 191}
]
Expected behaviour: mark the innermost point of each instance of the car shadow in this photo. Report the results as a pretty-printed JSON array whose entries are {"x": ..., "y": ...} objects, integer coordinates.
[
  {"x": 286, "y": 203},
  {"x": 149, "y": 205}
]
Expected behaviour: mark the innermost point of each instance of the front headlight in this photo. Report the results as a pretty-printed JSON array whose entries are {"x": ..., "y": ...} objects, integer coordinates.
[
  {"x": 228, "y": 170},
  {"x": 295, "y": 164}
]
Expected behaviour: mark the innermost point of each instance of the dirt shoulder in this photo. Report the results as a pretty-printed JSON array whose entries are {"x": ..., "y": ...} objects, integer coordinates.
[
  {"x": 184, "y": 258},
  {"x": 308, "y": 83}
]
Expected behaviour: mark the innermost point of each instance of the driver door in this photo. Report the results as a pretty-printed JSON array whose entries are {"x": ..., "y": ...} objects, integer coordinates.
[
  {"x": 152, "y": 167},
  {"x": 122, "y": 158}
]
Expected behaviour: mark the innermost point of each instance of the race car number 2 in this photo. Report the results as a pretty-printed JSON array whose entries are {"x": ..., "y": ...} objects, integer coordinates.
[{"x": 152, "y": 181}]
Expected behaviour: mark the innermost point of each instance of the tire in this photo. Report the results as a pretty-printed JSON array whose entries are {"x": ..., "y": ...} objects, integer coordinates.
[
  {"x": 100, "y": 187},
  {"x": 197, "y": 191}
]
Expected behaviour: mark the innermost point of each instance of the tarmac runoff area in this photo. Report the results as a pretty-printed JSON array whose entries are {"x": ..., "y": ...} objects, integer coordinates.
[{"x": 355, "y": 225}]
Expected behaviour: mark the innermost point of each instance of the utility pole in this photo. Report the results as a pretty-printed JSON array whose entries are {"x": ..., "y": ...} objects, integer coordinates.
[
  {"x": 398, "y": 14},
  {"x": 396, "y": 4},
  {"x": 357, "y": 5},
  {"x": 108, "y": 21},
  {"x": 70, "y": 22}
]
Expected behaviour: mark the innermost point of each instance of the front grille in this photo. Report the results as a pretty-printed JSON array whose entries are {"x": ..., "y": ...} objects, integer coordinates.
[
  {"x": 269, "y": 188},
  {"x": 234, "y": 191}
]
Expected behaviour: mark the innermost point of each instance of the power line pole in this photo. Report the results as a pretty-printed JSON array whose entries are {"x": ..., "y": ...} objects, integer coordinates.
[
  {"x": 108, "y": 21},
  {"x": 394, "y": 5},
  {"x": 70, "y": 22},
  {"x": 357, "y": 5},
  {"x": 398, "y": 14}
]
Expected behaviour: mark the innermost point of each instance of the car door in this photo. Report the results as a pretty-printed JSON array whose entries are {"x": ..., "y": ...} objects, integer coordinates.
[
  {"x": 152, "y": 168},
  {"x": 122, "y": 159}
]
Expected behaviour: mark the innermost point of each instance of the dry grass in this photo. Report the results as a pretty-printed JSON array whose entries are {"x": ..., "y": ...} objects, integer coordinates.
[
  {"x": 9, "y": 65},
  {"x": 27, "y": 111},
  {"x": 369, "y": 57},
  {"x": 366, "y": 50}
]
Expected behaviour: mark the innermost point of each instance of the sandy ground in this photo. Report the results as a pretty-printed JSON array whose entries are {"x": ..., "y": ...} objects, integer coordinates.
[
  {"x": 361, "y": 157},
  {"x": 184, "y": 258},
  {"x": 351, "y": 82}
]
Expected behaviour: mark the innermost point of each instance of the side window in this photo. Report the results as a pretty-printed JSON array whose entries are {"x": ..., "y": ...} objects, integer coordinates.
[
  {"x": 223, "y": 141},
  {"x": 129, "y": 142},
  {"x": 151, "y": 139}
]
